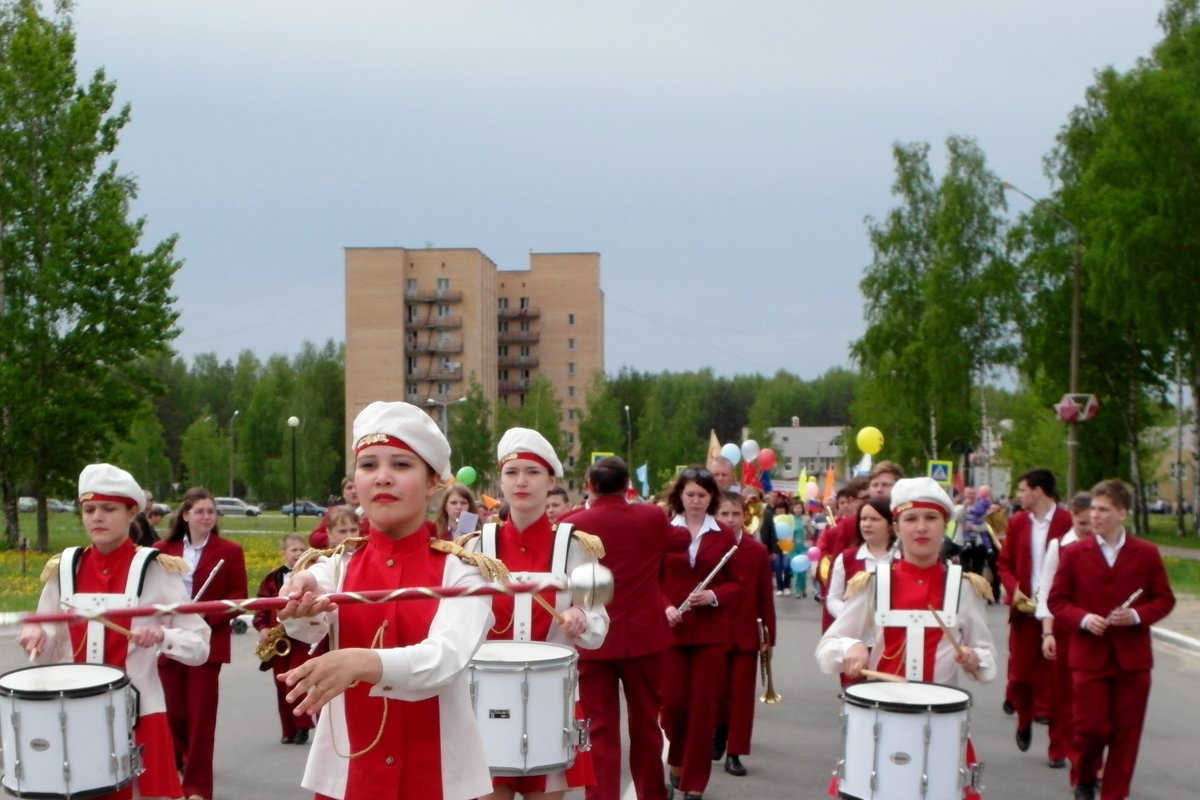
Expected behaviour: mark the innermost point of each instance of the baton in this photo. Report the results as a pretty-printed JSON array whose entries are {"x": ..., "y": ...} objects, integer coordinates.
[{"x": 702, "y": 585}]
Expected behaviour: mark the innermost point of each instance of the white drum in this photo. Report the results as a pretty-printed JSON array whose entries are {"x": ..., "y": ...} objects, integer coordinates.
[
  {"x": 904, "y": 741},
  {"x": 66, "y": 730},
  {"x": 523, "y": 694}
]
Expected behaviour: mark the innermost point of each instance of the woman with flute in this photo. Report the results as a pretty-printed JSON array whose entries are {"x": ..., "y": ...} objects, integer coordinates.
[{"x": 698, "y": 591}]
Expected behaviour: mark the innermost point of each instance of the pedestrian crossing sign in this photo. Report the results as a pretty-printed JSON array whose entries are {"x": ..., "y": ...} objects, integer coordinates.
[{"x": 942, "y": 472}]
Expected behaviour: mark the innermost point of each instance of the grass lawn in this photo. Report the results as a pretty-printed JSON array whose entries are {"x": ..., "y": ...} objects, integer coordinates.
[{"x": 1162, "y": 531}]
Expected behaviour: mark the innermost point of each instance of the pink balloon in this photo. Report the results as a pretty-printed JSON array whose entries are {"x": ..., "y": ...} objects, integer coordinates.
[
  {"x": 814, "y": 554},
  {"x": 766, "y": 459},
  {"x": 811, "y": 491}
]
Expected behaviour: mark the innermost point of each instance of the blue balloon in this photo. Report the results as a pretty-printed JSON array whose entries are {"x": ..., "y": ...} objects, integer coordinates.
[
  {"x": 784, "y": 529},
  {"x": 800, "y": 564}
]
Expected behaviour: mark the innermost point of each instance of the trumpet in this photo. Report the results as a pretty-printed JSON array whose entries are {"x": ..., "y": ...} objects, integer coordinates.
[
  {"x": 769, "y": 696},
  {"x": 754, "y": 516},
  {"x": 277, "y": 644}
]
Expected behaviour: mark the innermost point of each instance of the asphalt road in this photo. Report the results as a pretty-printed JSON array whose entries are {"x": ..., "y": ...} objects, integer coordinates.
[{"x": 795, "y": 744}]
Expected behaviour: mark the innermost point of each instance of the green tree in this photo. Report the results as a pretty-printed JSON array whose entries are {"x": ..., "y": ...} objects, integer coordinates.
[
  {"x": 143, "y": 452},
  {"x": 472, "y": 442},
  {"x": 601, "y": 426},
  {"x": 81, "y": 307},
  {"x": 206, "y": 455}
]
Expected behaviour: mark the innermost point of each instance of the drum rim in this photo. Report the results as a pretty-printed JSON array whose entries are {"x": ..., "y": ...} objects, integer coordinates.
[
  {"x": 85, "y": 793},
  {"x": 566, "y": 658},
  {"x": 947, "y": 707},
  {"x": 121, "y": 680}
]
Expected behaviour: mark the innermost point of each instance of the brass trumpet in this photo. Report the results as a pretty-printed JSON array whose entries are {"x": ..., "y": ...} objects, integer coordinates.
[
  {"x": 277, "y": 644},
  {"x": 754, "y": 516},
  {"x": 769, "y": 696}
]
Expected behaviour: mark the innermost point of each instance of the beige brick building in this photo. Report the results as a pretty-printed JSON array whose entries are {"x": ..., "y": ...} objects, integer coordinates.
[{"x": 419, "y": 322}]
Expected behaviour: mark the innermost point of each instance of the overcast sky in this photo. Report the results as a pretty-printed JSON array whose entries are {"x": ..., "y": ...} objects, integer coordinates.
[{"x": 720, "y": 156}]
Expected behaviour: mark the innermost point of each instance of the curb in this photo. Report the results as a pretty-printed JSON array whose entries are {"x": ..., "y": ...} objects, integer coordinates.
[{"x": 1176, "y": 639}]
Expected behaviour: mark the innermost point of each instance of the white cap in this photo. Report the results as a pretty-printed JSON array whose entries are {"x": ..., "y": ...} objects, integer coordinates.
[
  {"x": 106, "y": 482},
  {"x": 406, "y": 426},
  {"x": 923, "y": 492},
  {"x": 527, "y": 443}
]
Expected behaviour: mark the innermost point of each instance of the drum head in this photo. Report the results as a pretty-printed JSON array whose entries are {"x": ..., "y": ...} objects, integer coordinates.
[
  {"x": 522, "y": 652},
  {"x": 49, "y": 681},
  {"x": 908, "y": 697}
]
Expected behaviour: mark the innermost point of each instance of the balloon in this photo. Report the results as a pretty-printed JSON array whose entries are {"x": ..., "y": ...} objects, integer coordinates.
[
  {"x": 784, "y": 529},
  {"x": 466, "y": 475},
  {"x": 766, "y": 459},
  {"x": 812, "y": 491},
  {"x": 870, "y": 440},
  {"x": 750, "y": 449},
  {"x": 800, "y": 564},
  {"x": 731, "y": 452},
  {"x": 814, "y": 554},
  {"x": 786, "y": 545}
]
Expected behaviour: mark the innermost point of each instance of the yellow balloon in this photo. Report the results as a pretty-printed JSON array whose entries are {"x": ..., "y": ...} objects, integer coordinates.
[
  {"x": 786, "y": 545},
  {"x": 870, "y": 440}
]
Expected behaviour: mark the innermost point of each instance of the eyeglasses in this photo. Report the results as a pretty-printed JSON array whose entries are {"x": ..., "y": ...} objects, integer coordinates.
[{"x": 694, "y": 472}]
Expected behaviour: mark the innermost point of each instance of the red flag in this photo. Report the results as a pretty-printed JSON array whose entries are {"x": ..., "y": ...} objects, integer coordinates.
[
  {"x": 959, "y": 484},
  {"x": 750, "y": 476}
]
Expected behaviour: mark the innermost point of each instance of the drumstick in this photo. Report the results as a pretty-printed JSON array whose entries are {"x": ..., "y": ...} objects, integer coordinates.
[
  {"x": 884, "y": 676},
  {"x": 33, "y": 654},
  {"x": 541, "y": 601},
  {"x": 112, "y": 626},
  {"x": 958, "y": 648}
]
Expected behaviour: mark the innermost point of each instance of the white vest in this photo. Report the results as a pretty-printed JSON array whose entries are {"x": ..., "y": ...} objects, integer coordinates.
[
  {"x": 522, "y": 626},
  {"x": 88, "y": 603},
  {"x": 915, "y": 621}
]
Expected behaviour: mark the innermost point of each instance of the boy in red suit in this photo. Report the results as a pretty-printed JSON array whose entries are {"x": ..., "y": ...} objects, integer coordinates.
[{"x": 1109, "y": 590}]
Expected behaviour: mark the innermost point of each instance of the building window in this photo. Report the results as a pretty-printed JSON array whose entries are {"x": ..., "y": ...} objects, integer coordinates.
[
  {"x": 524, "y": 302},
  {"x": 524, "y": 374},
  {"x": 571, "y": 369},
  {"x": 570, "y": 319},
  {"x": 443, "y": 284},
  {"x": 443, "y": 309},
  {"x": 502, "y": 302},
  {"x": 524, "y": 350},
  {"x": 412, "y": 313},
  {"x": 524, "y": 324},
  {"x": 443, "y": 389},
  {"x": 411, "y": 284},
  {"x": 571, "y": 461},
  {"x": 570, "y": 439},
  {"x": 503, "y": 326},
  {"x": 570, "y": 413},
  {"x": 503, "y": 374},
  {"x": 502, "y": 349},
  {"x": 571, "y": 391},
  {"x": 570, "y": 344}
]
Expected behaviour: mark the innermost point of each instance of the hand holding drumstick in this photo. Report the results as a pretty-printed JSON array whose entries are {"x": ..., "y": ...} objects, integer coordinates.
[{"x": 966, "y": 657}]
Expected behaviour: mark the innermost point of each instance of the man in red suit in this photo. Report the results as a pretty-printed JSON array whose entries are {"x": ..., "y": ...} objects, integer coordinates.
[
  {"x": 755, "y": 609},
  {"x": 1109, "y": 590},
  {"x": 636, "y": 537},
  {"x": 1020, "y": 562}
]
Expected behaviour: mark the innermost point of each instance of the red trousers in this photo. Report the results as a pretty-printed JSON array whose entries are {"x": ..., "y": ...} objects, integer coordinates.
[
  {"x": 289, "y": 723},
  {"x": 1110, "y": 709},
  {"x": 1062, "y": 728},
  {"x": 191, "y": 694},
  {"x": 599, "y": 683},
  {"x": 736, "y": 707},
  {"x": 692, "y": 679},
  {"x": 1027, "y": 666}
]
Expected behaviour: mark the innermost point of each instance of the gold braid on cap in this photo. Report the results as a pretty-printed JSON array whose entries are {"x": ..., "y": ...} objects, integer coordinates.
[
  {"x": 980, "y": 585},
  {"x": 51, "y": 568},
  {"x": 590, "y": 543},
  {"x": 858, "y": 583},
  {"x": 312, "y": 554},
  {"x": 492, "y": 569}
]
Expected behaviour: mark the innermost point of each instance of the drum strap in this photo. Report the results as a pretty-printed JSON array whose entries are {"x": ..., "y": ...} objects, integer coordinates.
[
  {"x": 523, "y": 603},
  {"x": 915, "y": 621}
]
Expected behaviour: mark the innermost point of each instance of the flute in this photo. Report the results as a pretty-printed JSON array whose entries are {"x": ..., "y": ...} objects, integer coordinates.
[
  {"x": 1128, "y": 602},
  {"x": 686, "y": 605}
]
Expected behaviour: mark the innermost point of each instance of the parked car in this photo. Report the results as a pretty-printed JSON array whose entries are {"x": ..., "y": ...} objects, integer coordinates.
[
  {"x": 236, "y": 507},
  {"x": 60, "y": 505},
  {"x": 1159, "y": 506},
  {"x": 27, "y": 505},
  {"x": 304, "y": 508}
]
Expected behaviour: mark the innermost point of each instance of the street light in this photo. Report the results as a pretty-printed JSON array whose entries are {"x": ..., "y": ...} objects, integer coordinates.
[
  {"x": 628, "y": 439},
  {"x": 1076, "y": 281},
  {"x": 293, "y": 423},
  {"x": 232, "y": 443},
  {"x": 445, "y": 406}
]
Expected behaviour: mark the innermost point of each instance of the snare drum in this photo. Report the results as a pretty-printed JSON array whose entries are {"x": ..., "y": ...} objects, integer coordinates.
[
  {"x": 523, "y": 694},
  {"x": 66, "y": 730},
  {"x": 897, "y": 735}
]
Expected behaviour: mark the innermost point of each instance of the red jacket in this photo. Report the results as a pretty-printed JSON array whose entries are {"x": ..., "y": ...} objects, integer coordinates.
[
  {"x": 637, "y": 537},
  {"x": 752, "y": 565},
  {"x": 1015, "y": 560},
  {"x": 1085, "y": 584},
  {"x": 230, "y": 584},
  {"x": 702, "y": 624}
]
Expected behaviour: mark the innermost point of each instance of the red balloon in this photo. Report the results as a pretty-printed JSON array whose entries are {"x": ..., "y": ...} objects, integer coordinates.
[{"x": 766, "y": 458}]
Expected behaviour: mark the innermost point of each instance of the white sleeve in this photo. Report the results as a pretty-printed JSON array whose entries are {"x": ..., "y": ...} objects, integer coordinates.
[
  {"x": 419, "y": 671},
  {"x": 1046, "y": 581},
  {"x": 185, "y": 636},
  {"x": 850, "y": 628},
  {"x": 835, "y": 597},
  {"x": 596, "y": 616},
  {"x": 974, "y": 631},
  {"x": 311, "y": 630}
]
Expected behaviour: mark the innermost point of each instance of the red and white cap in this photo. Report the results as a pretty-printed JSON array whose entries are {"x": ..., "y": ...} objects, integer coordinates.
[
  {"x": 106, "y": 483},
  {"x": 923, "y": 492},
  {"x": 405, "y": 426},
  {"x": 527, "y": 443}
]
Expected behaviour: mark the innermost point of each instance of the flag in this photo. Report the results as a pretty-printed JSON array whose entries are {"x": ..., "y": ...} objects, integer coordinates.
[
  {"x": 767, "y": 486},
  {"x": 642, "y": 473},
  {"x": 959, "y": 483},
  {"x": 750, "y": 475},
  {"x": 714, "y": 444},
  {"x": 828, "y": 494},
  {"x": 801, "y": 483}
]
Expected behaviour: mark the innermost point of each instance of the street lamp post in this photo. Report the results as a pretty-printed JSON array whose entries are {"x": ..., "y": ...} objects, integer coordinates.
[
  {"x": 293, "y": 423},
  {"x": 1076, "y": 298},
  {"x": 232, "y": 444},
  {"x": 628, "y": 439},
  {"x": 445, "y": 406}
]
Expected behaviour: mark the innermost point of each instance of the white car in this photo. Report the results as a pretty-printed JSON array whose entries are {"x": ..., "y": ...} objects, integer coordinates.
[{"x": 233, "y": 506}]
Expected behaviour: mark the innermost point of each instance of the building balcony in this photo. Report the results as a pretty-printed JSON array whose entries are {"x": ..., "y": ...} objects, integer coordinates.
[
  {"x": 435, "y": 374},
  {"x": 435, "y": 323},
  {"x": 433, "y": 295},
  {"x": 518, "y": 361},
  {"x": 439, "y": 348},
  {"x": 519, "y": 313},
  {"x": 514, "y": 387},
  {"x": 517, "y": 337}
]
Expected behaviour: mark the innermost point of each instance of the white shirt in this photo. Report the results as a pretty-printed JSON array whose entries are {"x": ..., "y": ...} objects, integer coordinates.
[
  {"x": 710, "y": 524},
  {"x": 835, "y": 599},
  {"x": 1049, "y": 570},
  {"x": 1039, "y": 530},
  {"x": 1111, "y": 552},
  {"x": 192, "y": 556}
]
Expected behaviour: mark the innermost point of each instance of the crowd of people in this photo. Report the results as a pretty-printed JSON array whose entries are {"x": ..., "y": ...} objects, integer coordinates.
[{"x": 904, "y": 576}]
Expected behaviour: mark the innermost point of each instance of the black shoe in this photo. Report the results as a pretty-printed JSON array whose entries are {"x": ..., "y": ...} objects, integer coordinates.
[
  {"x": 733, "y": 765},
  {"x": 1042, "y": 720},
  {"x": 1056, "y": 763},
  {"x": 284, "y": 740},
  {"x": 692, "y": 796},
  {"x": 300, "y": 737},
  {"x": 1085, "y": 791},
  {"x": 1024, "y": 737},
  {"x": 1008, "y": 708},
  {"x": 672, "y": 786},
  {"x": 720, "y": 738}
]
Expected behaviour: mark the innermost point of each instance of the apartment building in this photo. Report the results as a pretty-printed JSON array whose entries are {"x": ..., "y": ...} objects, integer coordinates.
[{"x": 420, "y": 322}]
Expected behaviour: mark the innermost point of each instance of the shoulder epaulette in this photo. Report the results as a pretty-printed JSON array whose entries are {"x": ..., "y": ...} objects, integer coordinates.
[
  {"x": 51, "y": 568},
  {"x": 461, "y": 541},
  {"x": 858, "y": 583},
  {"x": 492, "y": 569},
  {"x": 310, "y": 556},
  {"x": 173, "y": 564},
  {"x": 590, "y": 543},
  {"x": 980, "y": 585}
]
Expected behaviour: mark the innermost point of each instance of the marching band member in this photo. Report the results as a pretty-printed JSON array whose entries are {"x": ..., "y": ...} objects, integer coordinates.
[
  {"x": 694, "y": 671},
  {"x": 532, "y": 548},
  {"x": 1109, "y": 590},
  {"x": 636, "y": 539},
  {"x": 875, "y": 545},
  {"x": 752, "y": 616},
  {"x": 1020, "y": 565},
  {"x": 218, "y": 572},
  {"x": 112, "y": 573},
  {"x": 399, "y": 722}
]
